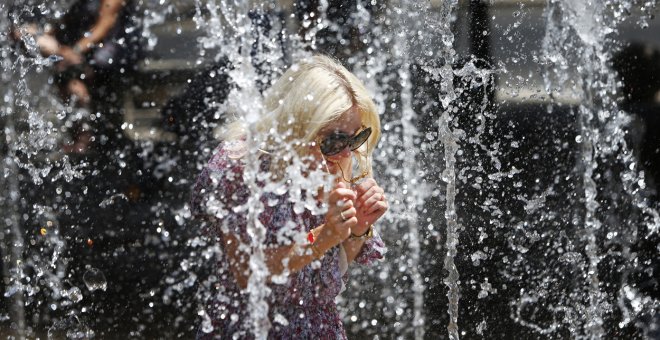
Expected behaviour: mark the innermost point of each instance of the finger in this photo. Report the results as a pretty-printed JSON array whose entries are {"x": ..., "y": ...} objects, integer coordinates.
[
  {"x": 368, "y": 204},
  {"x": 342, "y": 224},
  {"x": 340, "y": 206},
  {"x": 341, "y": 217},
  {"x": 348, "y": 213},
  {"x": 365, "y": 185},
  {"x": 374, "y": 190},
  {"x": 350, "y": 223},
  {"x": 341, "y": 194},
  {"x": 377, "y": 207},
  {"x": 344, "y": 205},
  {"x": 369, "y": 198}
]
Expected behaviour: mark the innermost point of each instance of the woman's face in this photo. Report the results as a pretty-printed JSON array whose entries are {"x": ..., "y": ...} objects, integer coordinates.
[{"x": 348, "y": 123}]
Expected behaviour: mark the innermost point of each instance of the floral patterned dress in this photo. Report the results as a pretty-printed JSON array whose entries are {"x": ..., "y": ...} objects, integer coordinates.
[{"x": 301, "y": 307}]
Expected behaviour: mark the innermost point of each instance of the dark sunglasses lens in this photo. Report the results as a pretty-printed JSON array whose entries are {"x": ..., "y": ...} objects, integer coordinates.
[
  {"x": 334, "y": 144},
  {"x": 360, "y": 138}
]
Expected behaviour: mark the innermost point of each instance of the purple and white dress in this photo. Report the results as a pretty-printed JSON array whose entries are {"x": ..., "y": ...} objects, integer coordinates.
[{"x": 301, "y": 308}]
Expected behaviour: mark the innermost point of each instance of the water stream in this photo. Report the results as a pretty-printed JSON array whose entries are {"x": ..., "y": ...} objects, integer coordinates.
[{"x": 520, "y": 202}]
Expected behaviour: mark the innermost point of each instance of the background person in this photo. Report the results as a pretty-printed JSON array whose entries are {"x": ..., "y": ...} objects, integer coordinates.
[{"x": 99, "y": 44}]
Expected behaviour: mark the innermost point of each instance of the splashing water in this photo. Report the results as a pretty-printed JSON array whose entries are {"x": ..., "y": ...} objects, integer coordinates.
[
  {"x": 94, "y": 279},
  {"x": 524, "y": 164}
]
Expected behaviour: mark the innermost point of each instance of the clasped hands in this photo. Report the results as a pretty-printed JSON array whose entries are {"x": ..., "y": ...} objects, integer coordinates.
[{"x": 352, "y": 210}]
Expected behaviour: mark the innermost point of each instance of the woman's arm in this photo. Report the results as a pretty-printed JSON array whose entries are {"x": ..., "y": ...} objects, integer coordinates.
[
  {"x": 352, "y": 248},
  {"x": 295, "y": 257},
  {"x": 278, "y": 259},
  {"x": 108, "y": 14}
]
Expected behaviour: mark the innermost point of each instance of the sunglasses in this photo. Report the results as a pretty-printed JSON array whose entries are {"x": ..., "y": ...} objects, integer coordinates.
[{"x": 338, "y": 141}]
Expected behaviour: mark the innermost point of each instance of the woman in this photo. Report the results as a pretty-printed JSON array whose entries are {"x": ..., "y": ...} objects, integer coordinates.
[{"x": 320, "y": 116}]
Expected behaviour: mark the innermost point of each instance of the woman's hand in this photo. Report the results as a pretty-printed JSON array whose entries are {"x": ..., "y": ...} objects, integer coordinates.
[
  {"x": 69, "y": 57},
  {"x": 370, "y": 204},
  {"x": 341, "y": 215}
]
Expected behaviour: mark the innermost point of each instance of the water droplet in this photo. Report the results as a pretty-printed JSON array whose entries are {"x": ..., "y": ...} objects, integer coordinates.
[
  {"x": 94, "y": 279},
  {"x": 75, "y": 294},
  {"x": 207, "y": 326},
  {"x": 70, "y": 328},
  {"x": 54, "y": 58},
  {"x": 185, "y": 265},
  {"x": 279, "y": 318}
]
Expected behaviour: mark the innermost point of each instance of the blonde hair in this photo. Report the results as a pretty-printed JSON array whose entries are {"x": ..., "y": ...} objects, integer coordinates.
[{"x": 307, "y": 97}]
